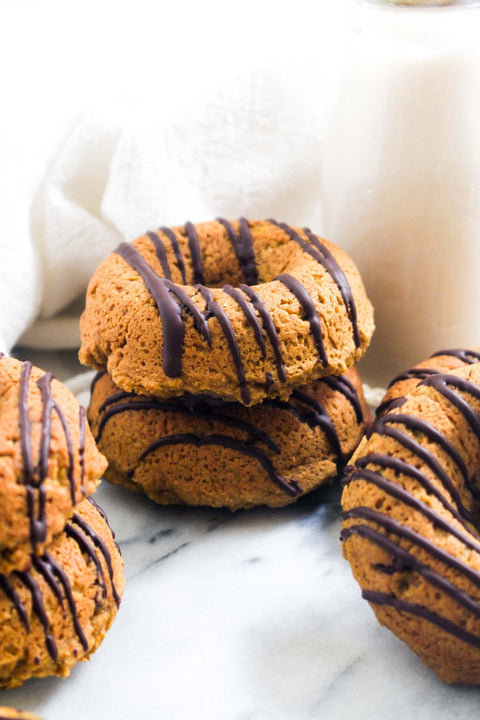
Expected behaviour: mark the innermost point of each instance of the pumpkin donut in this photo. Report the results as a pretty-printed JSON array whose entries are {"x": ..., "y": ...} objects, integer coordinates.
[
  {"x": 242, "y": 310},
  {"x": 411, "y": 524},
  {"x": 8, "y": 713},
  {"x": 57, "y": 612},
  {"x": 196, "y": 451},
  {"x": 48, "y": 460}
]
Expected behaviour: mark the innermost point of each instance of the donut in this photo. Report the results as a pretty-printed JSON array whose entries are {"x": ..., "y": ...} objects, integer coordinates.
[
  {"x": 57, "y": 612},
  {"x": 7, "y": 713},
  {"x": 241, "y": 310},
  {"x": 48, "y": 460},
  {"x": 441, "y": 361},
  {"x": 410, "y": 527},
  {"x": 200, "y": 451}
]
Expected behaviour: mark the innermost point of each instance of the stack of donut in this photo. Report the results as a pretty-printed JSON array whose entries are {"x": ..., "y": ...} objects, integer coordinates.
[
  {"x": 411, "y": 513},
  {"x": 61, "y": 574},
  {"x": 225, "y": 353}
]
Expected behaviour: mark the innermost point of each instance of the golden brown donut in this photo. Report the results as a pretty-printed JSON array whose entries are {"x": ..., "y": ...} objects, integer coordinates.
[
  {"x": 242, "y": 310},
  {"x": 410, "y": 522},
  {"x": 58, "y": 612},
  {"x": 441, "y": 361},
  {"x": 7, "y": 713},
  {"x": 48, "y": 460},
  {"x": 199, "y": 452}
]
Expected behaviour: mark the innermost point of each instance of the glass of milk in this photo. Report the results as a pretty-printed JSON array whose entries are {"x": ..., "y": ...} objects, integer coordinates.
[{"x": 401, "y": 176}]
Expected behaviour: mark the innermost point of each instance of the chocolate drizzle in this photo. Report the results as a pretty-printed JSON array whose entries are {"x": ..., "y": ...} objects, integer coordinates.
[
  {"x": 322, "y": 255},
  {"x": 35, "y": 475},
  {"x": 269, "y": 327},
  {"x": 212, "y": 307},
  {"x": 467, "y": 357},
  {"x": 306, "y": 302},
  {"x": 226, "y": 441},
  {"x": 172, "y": 300},
  {"x": 306, "y": 409},
  {"x": 195, "y": 253},
  {"x": 176, "y": 251},
  {"x": 58, "y": 581},
  {"x": 453, "y": 519},
  {"x": 169, "y": 309},
  {"x": 243, "y": 247},
  {"x": 161, "y": 254}
]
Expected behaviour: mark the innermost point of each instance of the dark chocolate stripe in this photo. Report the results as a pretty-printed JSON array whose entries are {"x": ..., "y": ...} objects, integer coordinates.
[
  {"x": 24, "y": 422},
  {"x": 423, "y": 612},
  {"x": 10, "y": 592},
  {"x": 99, "y": 543},
  {"x": 81, "y": 447},
  {"x": 469, "y": 357},
  {"x": 322, "y": 255},
  {"x": 406, "y": 533},
  {"x": 340, "y": 279},
  {"x": 63, "y": 582},
  {"x": 35, "y": 491},
  {"x": 43, "y": 568},
  {"x": 38, "y": 609},
  {"x": 195, "y": 254},
  {"x": 413, "y": 373},
  {"x": 269, "y": 327},
  {"x": 186, "y": 302},
  {"x": 226, "y": 441},
  {"x": 50, "y": 404},
  {"x": 215, "y": 309},
  {"x": 323, "y": 420},
  {"x": 407, "y": 498},
  {"x": 96, "y": 378},
  {"x": 170, "y": 312},
  {"x": 404, "y": 560},
  {"x": 201, "y": 410},
  {"x": 402, "y": 467},
  {"x": 306, "y": 302},
  {"x": 161, "y": 254},
  {"x": 103, "y": 515},
  {"x": 341, "y": 384},
  {"x": 176, "y": 251},
  {"x": 249, "y": 314},
  {"x": 443, "y": 384},
  {"x": 72, "y": 532},
  {"x": 380, "y": 426},
  {"x": 68, "y": 440},
  {"x": 243, "y": 247}
]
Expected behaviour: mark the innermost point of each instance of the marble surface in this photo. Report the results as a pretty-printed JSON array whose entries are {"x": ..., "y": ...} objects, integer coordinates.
[{"x": 251, "y": 615}]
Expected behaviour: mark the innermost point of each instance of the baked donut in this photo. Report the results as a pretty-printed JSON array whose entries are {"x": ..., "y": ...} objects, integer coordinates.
[
  {"x": 48, "y": 460},
  {"x": 410, "y": 521},
  {"x": 7, "y": 713},
  {"x": 242, "y": 310},
  {"x": 441, "y": 361},
  {"x": 198, "y": 451},
  {"x": 58, "y": 612}
]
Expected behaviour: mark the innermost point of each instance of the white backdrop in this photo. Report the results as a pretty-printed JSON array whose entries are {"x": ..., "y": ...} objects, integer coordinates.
[{"x": 121, "y": 116}]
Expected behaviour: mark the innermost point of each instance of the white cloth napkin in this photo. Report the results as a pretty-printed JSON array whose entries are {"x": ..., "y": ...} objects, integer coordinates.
[{"x": 129, "y": 116}]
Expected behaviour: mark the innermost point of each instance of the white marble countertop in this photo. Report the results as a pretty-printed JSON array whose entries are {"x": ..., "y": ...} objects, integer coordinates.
[{"x": 245, "y": 616}]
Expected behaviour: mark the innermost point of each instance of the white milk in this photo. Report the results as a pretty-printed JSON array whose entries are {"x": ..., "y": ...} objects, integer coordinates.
[{"x": 401, "y": 179}]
